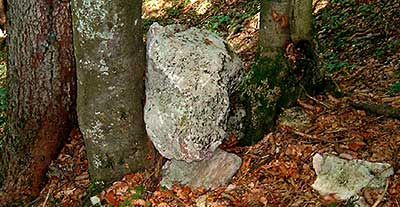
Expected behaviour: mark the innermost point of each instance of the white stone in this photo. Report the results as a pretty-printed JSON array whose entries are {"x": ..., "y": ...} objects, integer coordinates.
[
  {"x": 345, "y": 178},
  {"x": 95, "y": 200}
]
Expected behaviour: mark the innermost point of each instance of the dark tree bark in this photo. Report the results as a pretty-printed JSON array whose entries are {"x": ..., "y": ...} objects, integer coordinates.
[
  {"x": 41, "y": 94},
  {"x": 286, "y": 64},
  {"x": 3, "y": 16},
  {"x": 108, "y": 41}
]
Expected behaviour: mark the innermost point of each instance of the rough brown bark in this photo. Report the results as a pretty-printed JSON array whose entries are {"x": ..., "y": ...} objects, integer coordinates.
[
  {"x": 110, "y": 55},
  {"x": 41, "y": 93}
]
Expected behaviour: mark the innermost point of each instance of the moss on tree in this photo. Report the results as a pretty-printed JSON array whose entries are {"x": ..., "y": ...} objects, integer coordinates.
[{"x": 267, "y": 87}]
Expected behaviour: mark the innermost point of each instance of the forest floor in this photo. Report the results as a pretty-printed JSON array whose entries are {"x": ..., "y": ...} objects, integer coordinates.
[{"x": 358, "y": 42}]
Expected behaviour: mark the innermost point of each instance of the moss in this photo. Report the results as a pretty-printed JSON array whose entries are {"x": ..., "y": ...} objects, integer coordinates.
[{"x": 269, "y": 86}]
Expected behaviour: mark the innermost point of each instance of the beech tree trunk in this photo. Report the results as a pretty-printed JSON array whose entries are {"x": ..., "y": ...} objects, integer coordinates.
[
  {"x": 41, "y": 94},
  {"x": 285, "y": 66},
  {"x": 109, "y": 48}
]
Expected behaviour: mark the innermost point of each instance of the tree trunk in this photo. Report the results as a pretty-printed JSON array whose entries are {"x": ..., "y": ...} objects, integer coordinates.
[
  {"x": 285, "y": 65},
  {"x": 3, "y": 16},
  {"x": 108, "y": 41},
  {"x": 41, "y": 93},
  {"x": 274, "y": 27}
]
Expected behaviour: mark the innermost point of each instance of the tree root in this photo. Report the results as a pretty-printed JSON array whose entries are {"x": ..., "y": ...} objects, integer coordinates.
[{"x": 378, "y": 109}]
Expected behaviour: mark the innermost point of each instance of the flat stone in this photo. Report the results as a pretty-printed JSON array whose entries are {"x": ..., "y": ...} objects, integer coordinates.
[
  {"x": 345, "y": 178},
  {"x": 209, "y": 174}
]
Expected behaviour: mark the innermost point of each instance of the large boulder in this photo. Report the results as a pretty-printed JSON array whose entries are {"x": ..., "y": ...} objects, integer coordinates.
[{"x": 191, "y": 74}]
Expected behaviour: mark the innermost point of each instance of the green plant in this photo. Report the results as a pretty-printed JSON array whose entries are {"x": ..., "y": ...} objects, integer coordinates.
[
  {"x": 126, "y": 203},
  {"x": 378, "y": 52},
  {"x": 395, "y": 88},
  {"x": 148, "y": 22},
  {"x": 334, "y": 204},
  {"x": 95, "y": 187},
  {"x": 139, "y": 193},
  {"x": 173, "y": 11},
  {"x": 216, "y": 21}
]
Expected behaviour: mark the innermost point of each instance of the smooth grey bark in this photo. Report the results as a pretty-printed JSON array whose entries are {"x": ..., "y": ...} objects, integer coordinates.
[
  {"x": 41, "y": 83},
  {"x": 285, "y": 21},
  {"x": 301, "y": 20},
  {"x": 274, "y": 27},
  {"x": 110, "y": 55}
]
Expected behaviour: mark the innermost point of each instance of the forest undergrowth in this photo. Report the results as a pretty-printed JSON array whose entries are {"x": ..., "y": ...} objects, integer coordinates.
[{"x": 358, "y": 43}]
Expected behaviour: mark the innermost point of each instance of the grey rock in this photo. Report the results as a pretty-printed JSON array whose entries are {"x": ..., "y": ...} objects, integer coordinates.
[
  {"x": 190, "y": 76},
  {"x": 95, "y": 200},
  {"x": 209, "y": 174},
  {"x": 345, "y": 178},
  {"x": 236, "y": 121},
  {"x": 295, "y": 118}
]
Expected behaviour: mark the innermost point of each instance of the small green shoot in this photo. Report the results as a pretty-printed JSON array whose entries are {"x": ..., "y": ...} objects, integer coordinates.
[
  {"x": 395, "y": 88},
  {"x": 139, "y": 193},
  {"x": 148, "y": 204},
  {"x": 334, "y": 204},
  {"x": 214, "y": 23}
]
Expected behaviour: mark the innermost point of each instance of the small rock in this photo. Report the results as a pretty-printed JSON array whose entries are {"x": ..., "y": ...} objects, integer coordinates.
[
  {"x": 201, "y": 201},
  {"x": 210, "y": 174},
  {"x": 95, "y": 200},
  {"x": 231, "y": 187},
  {"x": 295, "y": 118},
  {"x": 345, "y": 178}
]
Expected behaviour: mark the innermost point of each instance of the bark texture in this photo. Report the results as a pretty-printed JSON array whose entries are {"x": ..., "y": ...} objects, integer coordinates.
[
  {"x": 110, "y": 55},
  {"x": 3, "y": 16},
  {"x": 274, "y": 27},
  {"x": 41, "y": 94},
  {"x": 286, "y": 65}
]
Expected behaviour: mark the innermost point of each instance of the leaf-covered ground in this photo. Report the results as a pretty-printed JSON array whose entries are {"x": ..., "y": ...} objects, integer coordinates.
[{"x": 359, "y": 44}]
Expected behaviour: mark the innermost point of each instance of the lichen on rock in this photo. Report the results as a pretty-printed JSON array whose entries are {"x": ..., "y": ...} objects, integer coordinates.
[
  {"x": 345, "y": 178},
  {"x": 190, "y": 76}
]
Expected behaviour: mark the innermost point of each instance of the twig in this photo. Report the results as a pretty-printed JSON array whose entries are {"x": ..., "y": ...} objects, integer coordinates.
[
  {"x": 382, "y": 195},
  {"x": 316, "y": 100},
  {"x": 340, "y": 129},
  {"x": 356, "y": 73},
  {"x": 314, "y": 137},
  {"x": 308, "y": 136},
  {"x": 47, "y": 197},
  {"x": 316, "y": 4},
  {"x": 320, "y": 102},
  {"x": 175, "y": 197}
]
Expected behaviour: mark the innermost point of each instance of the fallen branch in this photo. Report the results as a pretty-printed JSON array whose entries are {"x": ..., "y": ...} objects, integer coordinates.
[
  {"x": 320, "y": 102},
  {"x": 378, "y": 109},
  {"x": 380, "y": 198},
  {"x": 313, "y": 137}
]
